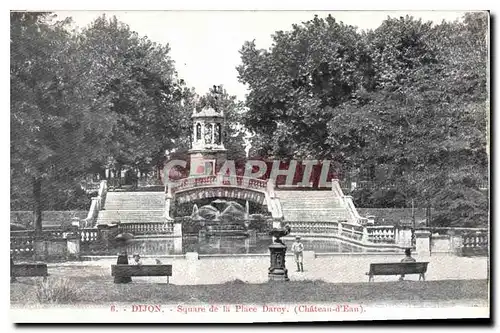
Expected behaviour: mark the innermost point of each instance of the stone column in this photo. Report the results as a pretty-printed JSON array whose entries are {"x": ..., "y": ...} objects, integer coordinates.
[
  {"x": 73, "y": 244},
  {"x": 364, "y": 239},
  {"x": 177, "y": 237},
  {"x": 177, "y": 229},
  {"x": 270, "y": 189},
  {"x": 456, "y": 244},
  {"x": 423, "y": 242},
  {"x": 168, "y": 201},
  {"x": 404, "y": 239}
]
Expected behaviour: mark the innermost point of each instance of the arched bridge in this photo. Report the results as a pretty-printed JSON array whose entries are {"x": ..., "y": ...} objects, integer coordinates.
[{"x": 236, "y": 187}]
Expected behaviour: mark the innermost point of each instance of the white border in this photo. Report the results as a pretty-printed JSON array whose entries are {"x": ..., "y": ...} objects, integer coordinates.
[{"x": 197, "y": 5}]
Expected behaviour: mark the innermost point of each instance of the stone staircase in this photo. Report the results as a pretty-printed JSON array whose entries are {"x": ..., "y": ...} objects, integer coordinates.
[
  {"x": 133, "y": 207},
  {"x": 311, "y": 206}
]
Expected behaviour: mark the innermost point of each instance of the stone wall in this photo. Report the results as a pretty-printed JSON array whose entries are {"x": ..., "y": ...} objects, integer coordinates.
[{"x": 49, "y": 218}]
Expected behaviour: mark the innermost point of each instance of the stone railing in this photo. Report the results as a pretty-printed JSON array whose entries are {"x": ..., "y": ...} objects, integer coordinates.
[
  {"x": 89, "y": 235},
  {"x": 153, "y": 228},
  {"x": 475, "y": 244},
  {"x": 347, "y": 202},
  {"x": 21, "y": 244},
  {"x": 369, "y": 236},
  {"x": 328, "y": 228},
  {"x": 352, "y": 231},
  {"x": 336, "y": 189},
  {"x": 460, "y": 241},
  {"x": 47, "y": 234},
  {"x": 382, "y": 234},
  {"x": 152, "y": 247},
  {"x": 353, "y": 212},
  {"x": 97, "y": 204},
  {"x": 219, "y": 180},
  {"x": 454, "y": 230}
]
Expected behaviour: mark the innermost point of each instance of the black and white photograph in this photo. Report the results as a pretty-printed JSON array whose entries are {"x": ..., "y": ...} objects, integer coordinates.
[{"x": 249, "y": 166}]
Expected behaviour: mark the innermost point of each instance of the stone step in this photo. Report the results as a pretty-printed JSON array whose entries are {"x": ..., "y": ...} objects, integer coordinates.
[
  {"x": 116, "y": 206},
  {"x": 131, "y": 216},
  {"x": 308, "y": 194},
  {"x": 310, "y": 205},
  {"x": 308, "y": 216},
  {"x": 134, "y": 201}
]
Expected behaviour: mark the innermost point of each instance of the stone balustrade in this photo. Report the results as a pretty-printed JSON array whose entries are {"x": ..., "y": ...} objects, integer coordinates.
[
  {"x": 89, "y": 235},
  {"x": 313, "y": 227},
  {"x": 97, "y": 204},
  {"x": 381, "y": 234},
  {"x": 219, "y": 180},
  {"x": 352, "y": 231},
  {"x": 153, "y": 228},
  {"x": 21, "y": 245}
]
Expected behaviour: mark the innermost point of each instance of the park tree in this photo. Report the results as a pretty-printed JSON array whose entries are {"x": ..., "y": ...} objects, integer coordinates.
[
  {"x": 59, "y": 124},
  {"x": 425, "y": 115},
  {"x": 409, "y": 97},
  {"x": 82, "y": 99},
  {"x": 151, "y": 103},
  {"x": 295, "y": 86}
]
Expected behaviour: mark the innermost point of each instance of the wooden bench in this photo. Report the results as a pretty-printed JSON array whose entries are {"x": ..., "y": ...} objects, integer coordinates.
[
  {"x": 398, "y": 268},
  {"x": 141, "y": 270},
  {"x": 22, "y": 270}
]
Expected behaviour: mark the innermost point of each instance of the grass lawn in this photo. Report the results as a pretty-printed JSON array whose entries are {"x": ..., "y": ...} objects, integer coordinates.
[{"x": 99, "y": 291}]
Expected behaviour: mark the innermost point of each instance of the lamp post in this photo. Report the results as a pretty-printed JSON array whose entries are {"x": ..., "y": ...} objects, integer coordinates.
[{"x": 277, "y": 270}]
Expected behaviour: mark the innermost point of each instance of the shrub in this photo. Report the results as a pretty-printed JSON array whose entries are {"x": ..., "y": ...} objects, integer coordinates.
[{"x": 59, "y": 291}]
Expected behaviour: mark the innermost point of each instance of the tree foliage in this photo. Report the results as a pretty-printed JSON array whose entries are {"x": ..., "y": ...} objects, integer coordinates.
[
  {"x": 56, "y": 114},
  {"x": 409, "y": 97},
  {"x": 151, "y": 104}
]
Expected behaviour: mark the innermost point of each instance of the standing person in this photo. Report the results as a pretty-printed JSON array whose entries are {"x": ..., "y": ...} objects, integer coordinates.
[
  {"x": 407, "y": 258},
  {"x": 298, "y": 249},
  {"x": 122, "y": 260}
]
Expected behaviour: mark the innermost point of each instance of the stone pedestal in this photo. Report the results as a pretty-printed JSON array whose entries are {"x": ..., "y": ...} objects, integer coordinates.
[
  {"x": 278, "y": 271},
  {"x": 441, "y": 244},
  {"x": 252, "y": 235},
  {"x": 177, "y": 229},
  {"x": 73, "y": 245},
  {"x": 404, "y": 238},
  {"x": 178, "y": 245},
  {"x": 422, "y": 242},
  {"x": 456, "y": 244}
]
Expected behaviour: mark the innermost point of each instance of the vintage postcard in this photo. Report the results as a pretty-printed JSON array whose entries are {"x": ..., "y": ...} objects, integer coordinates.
[{"x": 249, "y": 166}]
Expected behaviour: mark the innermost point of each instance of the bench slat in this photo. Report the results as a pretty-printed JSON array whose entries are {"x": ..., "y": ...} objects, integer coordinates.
[
  {"x": 141, "y": 270},
  {"x": 398, "y": 268}
]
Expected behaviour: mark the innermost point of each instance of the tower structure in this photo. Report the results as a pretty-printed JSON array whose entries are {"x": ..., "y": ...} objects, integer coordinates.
[{"x": 207, "y": 152}]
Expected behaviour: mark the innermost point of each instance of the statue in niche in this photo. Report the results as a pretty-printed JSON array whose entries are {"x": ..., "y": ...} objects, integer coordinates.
[
  {"x": 198, "y": 132},
  {"x": 218, "y": 133},
  {"x": 208, "y": 133}
]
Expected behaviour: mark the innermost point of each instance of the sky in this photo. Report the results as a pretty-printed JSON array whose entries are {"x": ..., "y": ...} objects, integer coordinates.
[{"x": 205, "y": 44}]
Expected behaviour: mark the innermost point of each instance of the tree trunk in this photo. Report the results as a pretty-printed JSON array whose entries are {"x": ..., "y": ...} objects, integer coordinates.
[{"x": 37, "y": 205}]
